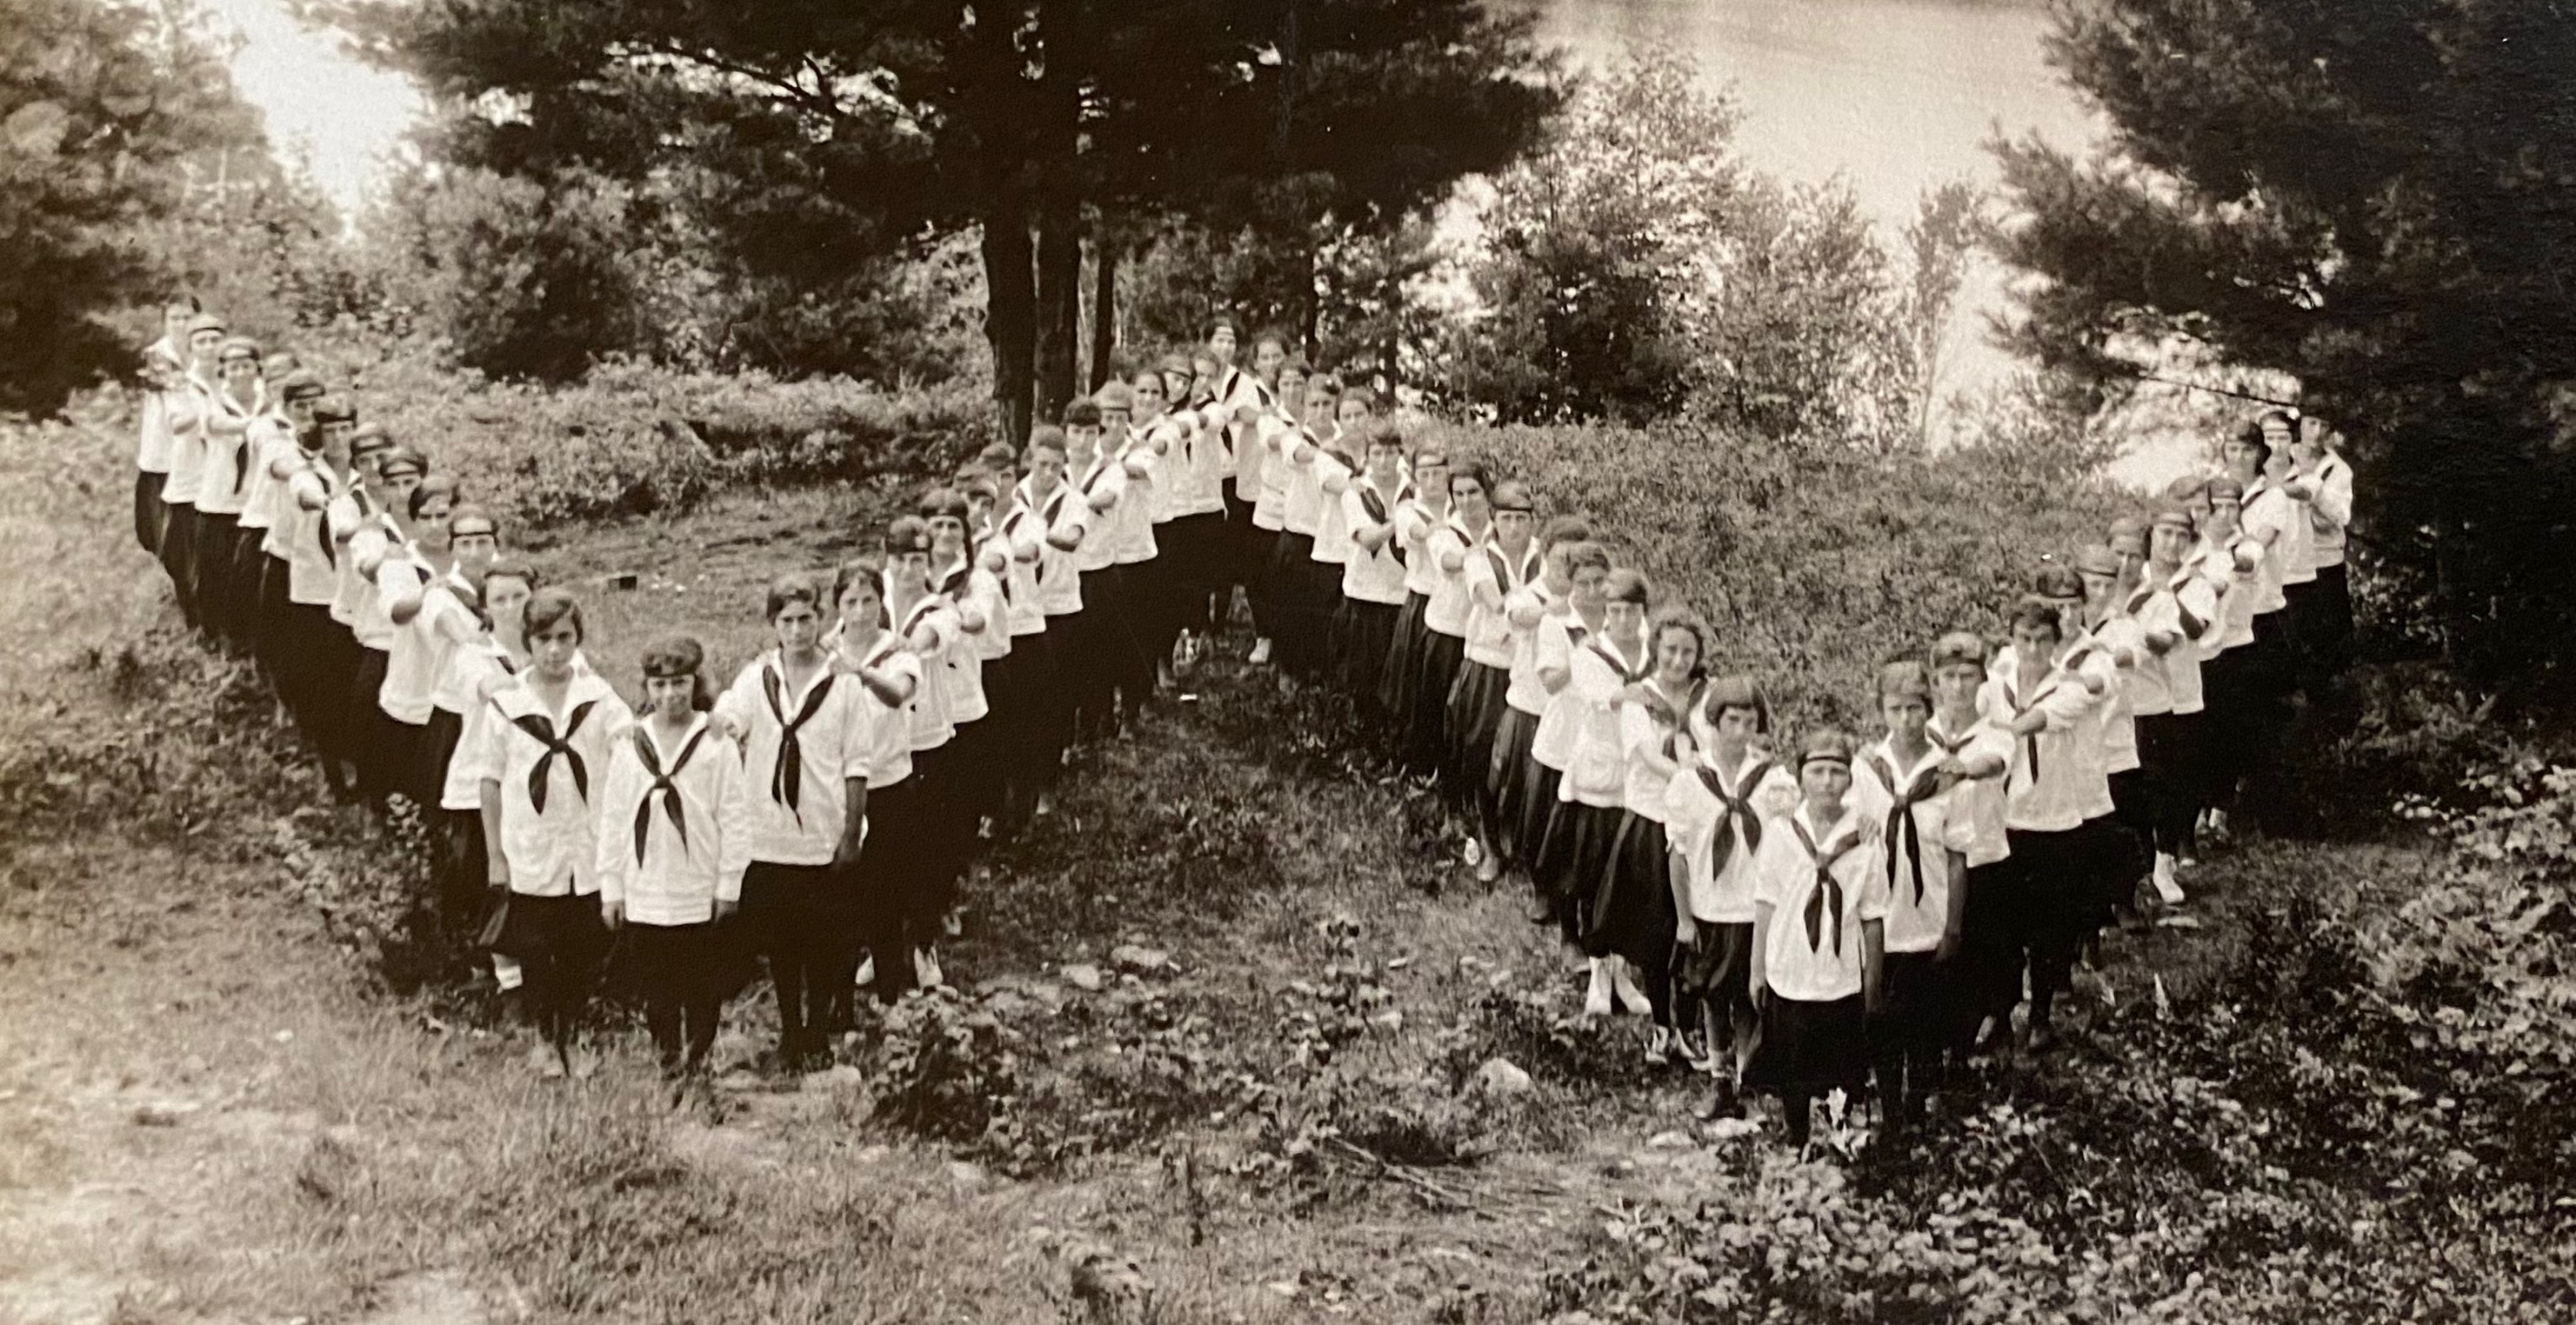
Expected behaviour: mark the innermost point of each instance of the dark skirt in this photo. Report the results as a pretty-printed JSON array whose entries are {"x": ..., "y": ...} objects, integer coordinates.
[
  {"x": 1396, "y": 674},
  {"x": 1361, "y": 631},
  {"x": 1717, "y": 974},
  {"x": 1573, "y": 860},
  {"x": 178, "y": 555},
  {"x": 2169, "y": 766},
  {"x": 2048, "y": 888},
  {"x": 2320, "y": 614},
  {"x": 1435, "y": 673},
  {"x": 1507, "y": 769},
  {"x": 1811, "y": 1048},
  {"x": 438, "y": 743},
  {"x": 1536, "y": 808},
  {"x": 1631, "y": 912},
  {"x": 1296, "y": 618},
  {"x": 1475, "y": 711},
  {"x": 148, "y": 510},
  {"x": 1917, "y": 1017},
  {"x": 213, "y": 562},
  {"x": 561, "y": 929}
]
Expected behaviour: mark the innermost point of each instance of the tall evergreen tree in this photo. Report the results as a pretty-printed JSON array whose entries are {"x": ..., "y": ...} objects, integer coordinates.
[
  {"x": 2377, "y": 197},
  {"x": 852, "y": 127},
  {"x": 105, "y": 109}
]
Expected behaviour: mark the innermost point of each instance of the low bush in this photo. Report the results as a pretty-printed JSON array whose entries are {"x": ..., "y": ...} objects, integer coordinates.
[
  {"x": 2345, "y": 1124},
  {"x": 1814, "y": 565},
  {"x": 633, "y": 439}
]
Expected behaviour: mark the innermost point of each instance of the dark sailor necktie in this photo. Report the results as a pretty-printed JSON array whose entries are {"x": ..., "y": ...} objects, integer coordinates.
[
  {"x": 1828, "y": 892},
  {"x": 787, "y": 780},
  {"x": 1737, "y": 824},
  {"x": 541, "y": 727},
  {"x": 662, "y": 784},
  {"x": 1901, "y": 834}
]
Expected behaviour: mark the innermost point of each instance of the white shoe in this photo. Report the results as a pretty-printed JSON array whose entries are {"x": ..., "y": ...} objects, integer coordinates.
[
  {"x": 1596, "y": 998},
  {"x": 867, "y": 974},
  {"x": 1260, "y": 656},
  {"x": 1623, "y": 982},
  {"x": 925, "y": 968},
  {"x": 2167, "y": 891},
  {"x": 1473, "y": 853}
]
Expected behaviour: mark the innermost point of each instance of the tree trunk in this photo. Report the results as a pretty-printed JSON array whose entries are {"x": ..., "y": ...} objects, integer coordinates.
[
  {"x": 1010, "y": 310},
  {"x": 1104, "y": 309},
  {"x": 1059, "y": 301}
]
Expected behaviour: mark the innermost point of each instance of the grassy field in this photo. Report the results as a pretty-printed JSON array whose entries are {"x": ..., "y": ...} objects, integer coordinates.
[{"x": 1214, "y": 1058}]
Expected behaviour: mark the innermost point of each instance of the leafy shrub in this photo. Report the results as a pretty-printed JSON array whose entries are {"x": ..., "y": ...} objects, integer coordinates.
[
  {"x": 2303, "y": 1139},
  {"x": 633, "y": 439},
  {"x": 518, "y": 279}
]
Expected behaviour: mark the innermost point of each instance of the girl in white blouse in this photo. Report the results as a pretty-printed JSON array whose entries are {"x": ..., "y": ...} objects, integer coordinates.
[
  {"x": 669, "y": 869},
  {"x": 540, "y": 758}
]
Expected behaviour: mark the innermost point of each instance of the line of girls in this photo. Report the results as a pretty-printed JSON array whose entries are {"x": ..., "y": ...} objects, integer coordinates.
[
  {"x": 914, "y": 705},
  {"x": 1802, "y": 917},
  {"x": 1523, "y": 671}
]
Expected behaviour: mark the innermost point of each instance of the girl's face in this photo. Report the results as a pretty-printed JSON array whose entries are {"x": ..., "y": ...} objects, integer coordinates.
[
  {"x": 1736, "y": 727},
  {"x": 1113, "y": 426},
  {"x": 1825, "y": 782},
  {"x": 798, "y": 626},
  {"x": 552, "y": 648},
  {"x": 1905, "y": 716},
  {"x": 1513, "y": 528},
  {"x": 1046, "y": 469},
  {"x": 1266, "y": 356},
  {"x": 1351, "y": 413},
  {"x": 1084, "y": 436},
  {"x": 1210, "y": 373},
  {"x": 1468, "y": 496},
  {"x": 430, "y": 526},
  {"x": 2098, "y": 589},
  {"x": 2242, "y": 459},
  {"x": 859, "y": 605},
  {"x": 1221, "y": 343},
  {"x": 1587, "y": 586},
  {"x": 299, "y": 413},
  {"x": 1149, "y": 394},
  {"x": 203, "y": 345},
  {"x": 506, "y": 597},
  {"x": 240, "y": 372},
  {"x": 979, "y": 508},
  {"x": 2172, "y": 543},
  {"x": 947, "y": 535},
  {"x": 174, "y": 323},
  {"x": 1385, "y": 461},
  {"x": 2278, "y": 434},
  {"x": 2222, "y": 517},
  {"x": 1955, "y": 686},
  {"x": 1176, "y": 386},
  {"x": 1676, "y": 655},
  {"x": 1430, "y": 479},
  {"x": 335, "y": 439},
  {"x": 1292, "y": 390},
  {"x": 1623, "y": 618},
  {"x": 474, "y": 549},
  {"x": 671, "y": 696},
  {"x": 398, "y": 485},
  {"x": 2033, "y": 642},
  {"x": 2132, "y": 553},
  {"x": 909, "y": 571}
]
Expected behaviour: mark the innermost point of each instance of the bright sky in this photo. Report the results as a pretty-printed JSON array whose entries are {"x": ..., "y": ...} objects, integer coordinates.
[{"x": 322, "y": 104}]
